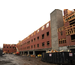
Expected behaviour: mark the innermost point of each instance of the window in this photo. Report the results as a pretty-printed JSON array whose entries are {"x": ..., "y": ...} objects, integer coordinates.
[
  {"x": 28, "y": 42},
  {"x": 42, "y": 28},
  {"x": 43, "y": 44},
  {"x": 4, "y": 46},
  {"x": 65, "y": 41},
  {"x": 31, "y": 46},
  {"x": 47, "y": 33},
  {"x": 61, "y": 33},
  {"x": 34, "y": 39},
  {"x": 7, "y": 47},
  {"x": 38, "y": 38},
  {"x": 13, "y": 47},
  {"x": 37, "y": 45},
  {"x": 34, "y": 46},
  {"x": 10, "y": 47},
  {"x": 62, "y": 41},
  {"x": 42, "y": 36},
  {"x": 47, "y": 25},
  {"x": 28, "y": 47},
  {"x": 59, "y": 41},
  {"x": 72, "y": 37},
  {"x": 37, "y": 31},
  {"x": 48, "y": 43}
]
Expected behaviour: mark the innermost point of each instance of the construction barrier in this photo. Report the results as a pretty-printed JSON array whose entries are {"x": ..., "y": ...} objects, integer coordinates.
[{"x": 59, "y": 57}]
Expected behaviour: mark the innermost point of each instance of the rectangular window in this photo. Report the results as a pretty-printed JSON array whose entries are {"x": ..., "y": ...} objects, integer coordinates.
[
  {"x": 48, "y": 43},
  {"x": 37, "y": 45},
  {"x": 32, "y": 40},
  {"x": 42, "y": 28},
  {"x": 28, "y": 47},
  {"x": 38, "y": 38},
  {"x": 64, "y": 41},
  {"x": 47, "y": 33},
  {"x": 61, "y": 42},
  {"x": 72, "y": 37},
  {"x": 34, "y": 46},
  {"x": 61, "y": 33},
  {"x": 37, "y": 31},
  {"x": 31, "y": 46},
  {"x": 43, "y": 44},
  {"x": 47, "y": 25},
  {"x": 42, "y": 36},
  {"x": 28, "y": 42}
]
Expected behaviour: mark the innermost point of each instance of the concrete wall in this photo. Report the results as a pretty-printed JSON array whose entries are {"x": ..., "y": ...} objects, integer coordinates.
[
  {"x": 56, "y": 22},
  {"x": 63, "y": 48}
]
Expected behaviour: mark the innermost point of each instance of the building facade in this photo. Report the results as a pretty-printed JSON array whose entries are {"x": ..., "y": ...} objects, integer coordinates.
[
  {"x": 66, "y": 34},
  {"x": 58, "y": 34},
  {"x": 9, "y": 48},
  {"x": 40, "y": 40}
]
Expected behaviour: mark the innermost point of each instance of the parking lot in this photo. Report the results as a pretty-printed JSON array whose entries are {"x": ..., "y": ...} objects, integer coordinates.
[{"x": 11, "y": 59}]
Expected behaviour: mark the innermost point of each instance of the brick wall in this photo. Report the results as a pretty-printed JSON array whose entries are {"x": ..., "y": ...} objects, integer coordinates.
[
  {"x": 27, "y": 44},
  {"x": 9, "y": 48}
]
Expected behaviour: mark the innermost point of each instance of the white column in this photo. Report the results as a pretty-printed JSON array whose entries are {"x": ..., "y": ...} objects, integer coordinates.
[
  {"x": 28, "y": 52},
  {"x": 23, "y": 52},
  {"x": 33, "y": 52}
]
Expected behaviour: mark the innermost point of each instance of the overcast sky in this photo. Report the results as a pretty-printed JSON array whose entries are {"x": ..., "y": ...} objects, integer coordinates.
[{"x": 19, "y": 18}]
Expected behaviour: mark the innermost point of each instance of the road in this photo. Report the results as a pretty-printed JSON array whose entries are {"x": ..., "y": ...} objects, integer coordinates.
[{"x": 11, "y": 59}]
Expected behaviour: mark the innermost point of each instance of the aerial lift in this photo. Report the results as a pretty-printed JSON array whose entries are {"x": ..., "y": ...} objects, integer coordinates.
[{"x": 17, "y": 52}]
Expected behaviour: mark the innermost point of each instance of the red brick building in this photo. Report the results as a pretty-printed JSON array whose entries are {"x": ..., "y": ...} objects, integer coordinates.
[
  {"x": 9, "y": 48},
  {"x": 37, "y": 41},
  {"x": 58, "y": 33},
  {"x": 66, "y": 33}
]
